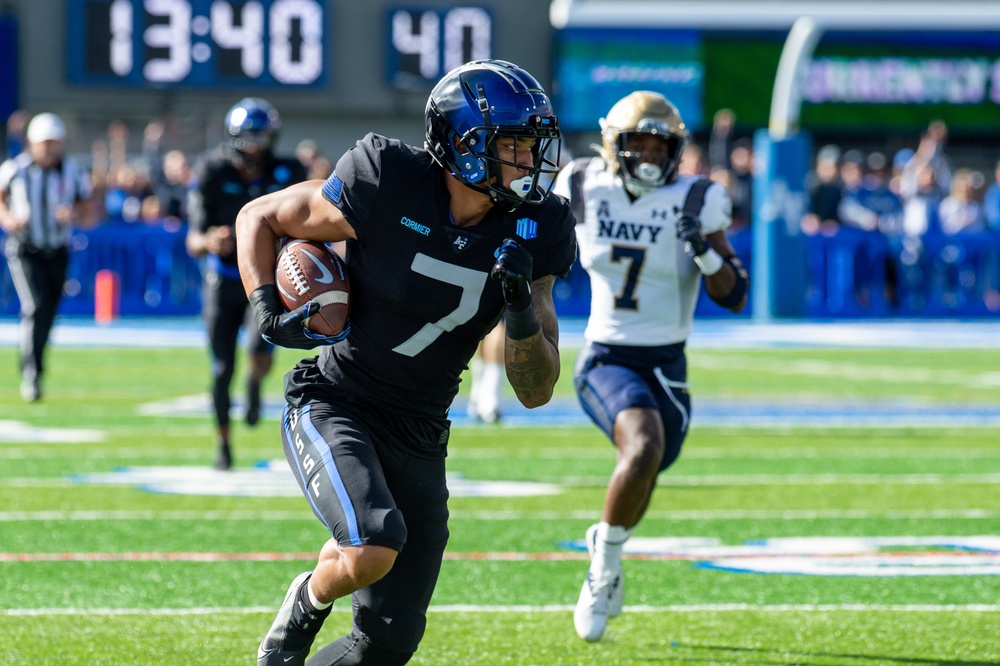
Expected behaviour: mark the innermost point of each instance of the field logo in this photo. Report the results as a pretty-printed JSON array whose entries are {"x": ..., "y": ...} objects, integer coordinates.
[
  {"x": 18, "y": 432},
  {"x": 830, "y": 556}
]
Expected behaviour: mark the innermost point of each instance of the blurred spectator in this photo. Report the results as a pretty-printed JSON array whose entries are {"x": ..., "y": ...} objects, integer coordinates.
[
  {"x": 921, "y": 198},
  {"x": 173, "y": 190},
  {"x": 991, "y": 215},
  {"x": 127, "y": 187},
  {"x": 851, "y": 212},
  {"x": 873, "y": 214},
  {"x": 170, "y": 178},
  {"x": 152, "y": 153},
  {"x": 931, "y": 151},
  {"x": 960, "y": 212},
  {"x": 720, "y": 142},
  {"x": 741, "y": 186},
  {"x": 825, "y": 193},
  {"x": 868, "y": 203},
  {"x": 320, "y": 169},
  {"x": 117, "y": 144},
  {"x": 306, "y": 152},
  {"x": 17, "y": 123},
  {"x": 899, "y": 162},
  {"x": 991, "y": 201},
  {"x": 100, "y": 163},
  {"x": 955, "y": 266},
  {"x": 693, "y": 161}
]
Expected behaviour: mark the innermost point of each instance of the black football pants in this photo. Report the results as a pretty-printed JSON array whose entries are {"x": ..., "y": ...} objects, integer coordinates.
[
  {"x": 225, "y": 308},
  {"x": 368, "y": 486},
  {"x": 38, "y": 277}
]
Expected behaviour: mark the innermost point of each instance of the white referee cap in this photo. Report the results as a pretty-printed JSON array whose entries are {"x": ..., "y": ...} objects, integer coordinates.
[{"x": 46, "y": 127}]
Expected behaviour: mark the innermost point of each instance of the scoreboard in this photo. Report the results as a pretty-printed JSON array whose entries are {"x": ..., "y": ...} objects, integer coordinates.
[
  {"x": 335, "y": 69},
  {"x": 199, "y": 43}
]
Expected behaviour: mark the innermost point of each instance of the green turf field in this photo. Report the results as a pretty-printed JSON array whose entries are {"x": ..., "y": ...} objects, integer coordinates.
[{"x": 118, "y": 573}]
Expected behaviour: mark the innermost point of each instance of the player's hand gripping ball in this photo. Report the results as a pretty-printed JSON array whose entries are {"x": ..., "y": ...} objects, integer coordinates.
[{"x": 310, "y": 271}]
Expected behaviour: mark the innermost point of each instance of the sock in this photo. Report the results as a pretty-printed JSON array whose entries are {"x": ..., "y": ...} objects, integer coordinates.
[
  {"x": 488, "y": 398},
  {"x": 608, "y": 547},
  {"x": 475, "y": 380},
  {"x": 313, "y": 601}
]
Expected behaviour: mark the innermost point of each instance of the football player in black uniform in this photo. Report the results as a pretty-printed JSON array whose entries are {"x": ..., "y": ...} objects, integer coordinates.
[
  {"x": 244, "y": 169},
  {"x": 442, "y": 242}
]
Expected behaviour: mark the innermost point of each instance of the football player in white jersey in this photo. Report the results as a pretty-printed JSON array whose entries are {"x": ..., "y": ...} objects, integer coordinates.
[{"x": 648, "y": 238}]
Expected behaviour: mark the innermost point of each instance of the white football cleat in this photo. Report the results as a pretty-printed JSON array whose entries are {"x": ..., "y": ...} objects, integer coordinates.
[
  {"x": 591, "y": 614},
  {"x": 617, "y": 600}
]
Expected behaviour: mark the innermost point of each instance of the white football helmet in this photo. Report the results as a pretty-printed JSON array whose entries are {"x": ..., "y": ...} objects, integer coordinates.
[{"x": 643, "y": 112}]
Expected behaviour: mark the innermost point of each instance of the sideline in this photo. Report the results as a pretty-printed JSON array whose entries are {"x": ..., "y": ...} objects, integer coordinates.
[{"x": 708, "y": 333}]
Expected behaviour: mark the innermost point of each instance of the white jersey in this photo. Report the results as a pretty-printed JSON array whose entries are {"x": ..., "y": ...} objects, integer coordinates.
[{"x": 644, "y": 287}]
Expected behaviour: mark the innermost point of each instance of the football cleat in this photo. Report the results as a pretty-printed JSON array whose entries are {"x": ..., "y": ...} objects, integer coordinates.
[
  {"x": 253, "y": 403},
  {"x": 31, "y": 391},
  {"x": 591, "y": 614},
  {"x": 618, "y": 597},
  {"x": 224, "y": 460},
  {"x": 290, "y": 637}
]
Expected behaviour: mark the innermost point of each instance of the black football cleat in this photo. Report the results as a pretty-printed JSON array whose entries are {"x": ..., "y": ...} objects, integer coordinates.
[
  {"x": 224, "y": 460},
  {"x": 253, "y": 403},
  {"x": 290, "y": 637}
]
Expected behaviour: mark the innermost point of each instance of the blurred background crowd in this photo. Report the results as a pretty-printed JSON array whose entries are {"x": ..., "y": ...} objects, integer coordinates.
[{"x": 893, "y": 213}]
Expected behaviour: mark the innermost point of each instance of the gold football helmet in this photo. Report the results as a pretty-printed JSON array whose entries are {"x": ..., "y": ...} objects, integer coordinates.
[{"x": 643, "y": 112}]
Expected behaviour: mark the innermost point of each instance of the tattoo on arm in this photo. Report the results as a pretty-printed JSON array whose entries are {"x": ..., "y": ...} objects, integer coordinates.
[{"x": 533, "y": 363}]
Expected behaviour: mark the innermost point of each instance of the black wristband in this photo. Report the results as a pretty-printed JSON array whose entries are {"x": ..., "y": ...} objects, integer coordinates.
[{"x": 521, "y": 324}]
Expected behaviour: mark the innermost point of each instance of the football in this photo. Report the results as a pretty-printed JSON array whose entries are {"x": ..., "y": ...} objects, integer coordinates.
[{"x": 310, "y": 270}]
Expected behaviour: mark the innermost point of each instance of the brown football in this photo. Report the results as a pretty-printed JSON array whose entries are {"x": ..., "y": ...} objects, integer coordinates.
[{"x": 310, "y": 270}]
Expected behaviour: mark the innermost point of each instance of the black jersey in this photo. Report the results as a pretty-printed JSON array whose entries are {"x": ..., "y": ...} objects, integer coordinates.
[
  {"x": 421, "y": 294},
  {"x": 222, "y": 192}
]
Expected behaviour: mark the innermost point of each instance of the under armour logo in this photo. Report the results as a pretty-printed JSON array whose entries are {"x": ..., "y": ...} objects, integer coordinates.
[
  {"x": 662, "y": 214},
  {"x": 460, "y": 242},
  {"x": 603, "y": 209}
]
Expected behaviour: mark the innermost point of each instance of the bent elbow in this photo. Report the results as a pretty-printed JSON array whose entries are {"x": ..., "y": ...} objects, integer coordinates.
[{"x": 535, "y": 398}]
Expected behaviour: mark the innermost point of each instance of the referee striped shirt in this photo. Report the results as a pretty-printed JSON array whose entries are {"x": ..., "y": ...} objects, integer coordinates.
[{"x": 35, "y": 194}]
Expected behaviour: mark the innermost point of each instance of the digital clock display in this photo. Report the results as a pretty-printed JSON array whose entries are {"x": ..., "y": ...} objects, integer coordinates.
[
  {"x": 198, "y": 43},
  {"x": 427, "y": 43}
]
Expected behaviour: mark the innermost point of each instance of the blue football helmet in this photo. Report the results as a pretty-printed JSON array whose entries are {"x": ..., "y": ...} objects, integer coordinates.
[
  {"x": 476, "y": 104},
  {"x": 252, "y": 125}
]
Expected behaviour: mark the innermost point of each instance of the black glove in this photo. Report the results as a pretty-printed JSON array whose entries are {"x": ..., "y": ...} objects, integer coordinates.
[
  {"x": 689, "y": 231},
  {"x": 281, "y": 328},
  {"x": 513, "y": 269}
]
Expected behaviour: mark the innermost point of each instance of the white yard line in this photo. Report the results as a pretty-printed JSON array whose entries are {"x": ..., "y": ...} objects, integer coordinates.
[
  {"x": 697, "y": 515},
  {"x": 552, "y": 608},
  {"x": 685, "y": 481},
  {"x": 858, "y": 372}
]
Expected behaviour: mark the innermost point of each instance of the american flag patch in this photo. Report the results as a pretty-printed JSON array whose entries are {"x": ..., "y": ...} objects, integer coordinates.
[{"x": 333, "y": 188}]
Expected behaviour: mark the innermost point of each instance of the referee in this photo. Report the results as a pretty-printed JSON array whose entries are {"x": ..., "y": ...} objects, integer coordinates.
[{"x": 42, "y": 193}]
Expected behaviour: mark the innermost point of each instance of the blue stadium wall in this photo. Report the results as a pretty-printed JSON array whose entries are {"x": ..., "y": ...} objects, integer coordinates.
[{"x": 844, "y": 276}]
